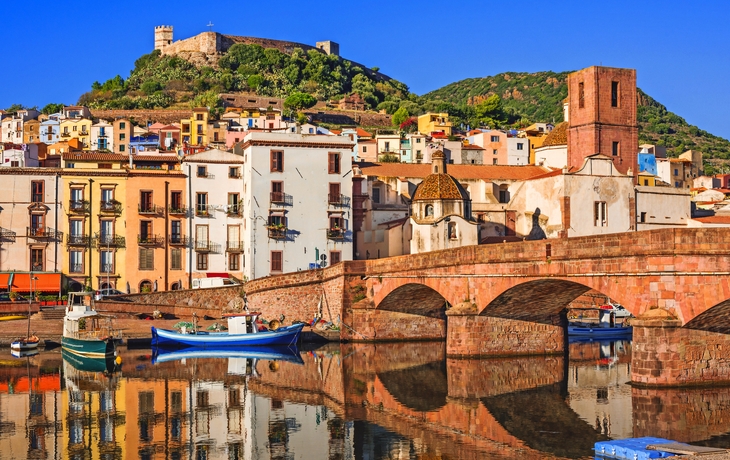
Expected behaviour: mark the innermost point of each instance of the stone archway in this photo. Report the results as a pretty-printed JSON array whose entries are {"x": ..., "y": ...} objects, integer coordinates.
[{"x": 416, "y": 299}]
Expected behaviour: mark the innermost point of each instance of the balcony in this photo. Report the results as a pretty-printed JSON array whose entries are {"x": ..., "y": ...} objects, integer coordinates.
[
  {"x": 79, "y": 206},
  {"x": 204, "y": 210},
  {"x": 148, "y": 209},
  {"x": 107, "y": 269},
  {"x": 102, "y": 134},
  {"x": 206, "y": 246},
  {"x": 234, "y": 246},
  {"x": 76, "y": 268},
  {"x": 338, "y": 200},
  {"x": 277, "y": 232},
  {"x": 177, "y": 211},
  {"x": 281, "y": 199},
  {"x": 110, "y": 207},
  {"x": 177, "y": 239},
  {"x": 234, "y": 210},
  {"x": 336, "y": 234},
  {"x": 6, "y": 236},
  {"x": 65, "y": 134},
  {"x": 44, "y": 233},
  {"x": 150, "y": 240},
  {"x": 104, "y": 240},
  {"x": 77, "y": 240}
]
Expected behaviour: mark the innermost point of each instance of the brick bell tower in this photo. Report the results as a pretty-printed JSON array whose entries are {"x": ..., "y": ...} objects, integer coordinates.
[{"x": 602, "y": 107}]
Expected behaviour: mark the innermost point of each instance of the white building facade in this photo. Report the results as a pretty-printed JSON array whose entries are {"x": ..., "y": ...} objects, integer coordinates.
[
  {"x": 297, "y": 197},
  {"x": 216, "y": 226}
]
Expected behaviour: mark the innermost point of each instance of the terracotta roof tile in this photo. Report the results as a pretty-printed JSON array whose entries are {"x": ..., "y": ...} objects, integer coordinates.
[
  {"x": 94, "y": 156},
  {"x": 437, "y": 187},
  {"x": 713, "y": 219},
  {"x": 558, "y": 136}
]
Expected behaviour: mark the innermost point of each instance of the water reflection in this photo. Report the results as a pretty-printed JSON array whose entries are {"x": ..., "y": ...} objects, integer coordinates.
[{"x": 354, "y": 401}]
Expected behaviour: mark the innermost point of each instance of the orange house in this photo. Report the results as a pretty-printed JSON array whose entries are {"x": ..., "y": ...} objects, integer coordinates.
[{"x": 156, "y": 226}]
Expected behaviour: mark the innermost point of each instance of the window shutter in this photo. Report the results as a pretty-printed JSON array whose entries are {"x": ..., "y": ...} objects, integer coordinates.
[{"x": 276, "y": 264}]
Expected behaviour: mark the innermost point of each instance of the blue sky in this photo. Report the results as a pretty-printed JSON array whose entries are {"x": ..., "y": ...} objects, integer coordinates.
[{"x": 55, "y": 50}]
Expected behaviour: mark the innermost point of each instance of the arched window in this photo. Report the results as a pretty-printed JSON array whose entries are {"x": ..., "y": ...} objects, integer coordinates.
[
  {"x": 145, "y": 286},
  {"x": 452, "y": 231},
  {"x": 429, "y": 210}
]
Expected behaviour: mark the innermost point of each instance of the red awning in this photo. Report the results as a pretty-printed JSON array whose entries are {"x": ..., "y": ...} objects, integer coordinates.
[
  {"x": 45, "y": 282},
  {"x": 216, "y": 275}
]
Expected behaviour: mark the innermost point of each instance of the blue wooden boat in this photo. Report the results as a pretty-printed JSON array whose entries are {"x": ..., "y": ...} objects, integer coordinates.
[
  {"x": 87, "y": 333},
  {"x": 242, "y": 331},
  {"x": 274, "y": 353},
  {"x": 596, "y": 331}
]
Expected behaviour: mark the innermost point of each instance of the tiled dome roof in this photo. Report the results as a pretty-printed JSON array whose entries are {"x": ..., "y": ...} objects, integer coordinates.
[
  {"x": 438, "y": 187},
  {"x": 558, "y": 136}
]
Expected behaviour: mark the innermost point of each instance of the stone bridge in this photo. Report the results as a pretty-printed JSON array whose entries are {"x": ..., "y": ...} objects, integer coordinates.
[{"x": 511, "y": 298}]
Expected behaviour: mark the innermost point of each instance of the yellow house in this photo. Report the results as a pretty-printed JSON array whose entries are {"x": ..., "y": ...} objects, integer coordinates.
[
  {"x": 536, "y": 134},
  {"x": 31, "y": 130},
  {"x": 434, "y": 122},
  {"x": 194, "y": 130},
  {"x": 646, "y": 179},
  {"x": 76, "y": 128},
  {"x": 94, "y": 222}
]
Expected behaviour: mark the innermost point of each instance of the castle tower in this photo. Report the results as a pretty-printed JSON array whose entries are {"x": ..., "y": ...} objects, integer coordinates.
[
  {"x": 163, "y": 37},
  {"x": 329, "y": 47},
  {"x": 602, "y": 107}
]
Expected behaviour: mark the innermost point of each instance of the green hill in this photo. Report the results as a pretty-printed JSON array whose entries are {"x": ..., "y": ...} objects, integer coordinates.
[{"x": 532, "y": 97}]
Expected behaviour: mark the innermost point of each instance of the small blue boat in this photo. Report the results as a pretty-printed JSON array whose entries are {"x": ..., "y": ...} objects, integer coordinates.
[
  {"x": 607, "y": 327},
  {"x": 242, "y": 331}
]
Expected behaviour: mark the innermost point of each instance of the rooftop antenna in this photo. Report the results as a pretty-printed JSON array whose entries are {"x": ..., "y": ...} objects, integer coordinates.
[{"x": 210, "y": 25}]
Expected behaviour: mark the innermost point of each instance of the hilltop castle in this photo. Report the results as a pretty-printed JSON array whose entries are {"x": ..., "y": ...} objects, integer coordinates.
[{"x": 212, "y": 44}]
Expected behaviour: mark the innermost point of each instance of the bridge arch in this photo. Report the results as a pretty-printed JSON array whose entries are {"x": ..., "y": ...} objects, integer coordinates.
[
  {"x": 714, "y": 319},
  {"x": 415, "y": 299}
]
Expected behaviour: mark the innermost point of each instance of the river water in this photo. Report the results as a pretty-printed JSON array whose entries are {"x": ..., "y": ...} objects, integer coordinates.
[{"x": 349, "y": 401}]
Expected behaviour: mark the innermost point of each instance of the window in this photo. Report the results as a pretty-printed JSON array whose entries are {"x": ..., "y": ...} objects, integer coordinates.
[
  {"x": 76, "y": 261},
  {"x": 614, "y": 94},
  {"x": 201, "y": 204},
  {"x": 107, "y": 199},
  {"x": 276, "y": 261},
  {"x": 146, "y": 259},
  {"x": 277, "y": 192},
  {"x": 520, "y": 146},
  {"x": 676, "y": 172},
  {"x": 121, "y": 148},
  {"x": 600, "y": 214},
  {"x": 646, "y": 181},
  {"x": 642, "y": 217},
  {"x": 36, "y": 259},
  {"x": 175, "y": 232},
  {"x": 122, "y": 125},
  {"x": 37, "y": 224},
  {"x": 36, "y": 191},
  {"x": 581, "y": 95},
  {"x": 202, "y": 261},
  {"x": 429, "y": 210},
  {"x": 504, "y": 196},
  {"x": 335, "y": 257},
  {"x": 199, "y": 129},
  {"x": 615, "y": 148},
  {"x": 176, "y": 259},
  {"x": 334, "y": 163},
  {"x": 199, "y": 116},
  {"x": 234, "y": 261},
  {"x": 494, "y": 161},
  {"x": 334, "y": 195},
  {"x": 452, "y": 231},
  {"x": 122, "y": 136},
  {"x": 104, "y": 165},
  {"x": 145, "y": 201},
  {"x": 495, "y": 139},
  {"x": 145, "y": 231},
  {"x": 15, "y": 164},
  {"x": 201, "y": 237},
  {"x": 418, "y": 140},
  {"x": 364, "y": 149},
  {"x": 387, "y": 146},
  {"x": 202, "y": 171},
  {"x": 277, "y": 161},
  {"x": 200, "y": 140},
  {"x": 176, "y": 200},
  {"x": 337, "y": 222},
  {"x": 234, "y": 207},
  {"x": 234, "y": 172},
  {"x": 376, "y": 195},
  {"x": 106, "y": 261}
]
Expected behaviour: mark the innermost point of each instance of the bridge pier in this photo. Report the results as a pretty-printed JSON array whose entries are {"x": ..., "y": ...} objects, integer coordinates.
[
  {"x": 471, "y": 335},
  {"x": 666, "y": 354}
]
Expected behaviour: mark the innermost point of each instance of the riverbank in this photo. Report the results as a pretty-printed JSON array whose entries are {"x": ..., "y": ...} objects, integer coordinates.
[{"x": 132, "y": 327}]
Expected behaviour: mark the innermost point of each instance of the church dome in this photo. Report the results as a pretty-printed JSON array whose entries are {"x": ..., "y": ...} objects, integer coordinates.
[{"x": 438, "y": 185}]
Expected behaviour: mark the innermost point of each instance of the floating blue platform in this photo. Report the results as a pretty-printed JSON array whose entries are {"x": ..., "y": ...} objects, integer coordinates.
[{"x": 632, "y": 448}]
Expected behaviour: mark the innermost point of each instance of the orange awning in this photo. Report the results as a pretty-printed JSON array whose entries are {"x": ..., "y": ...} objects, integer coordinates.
[{"x": 46, "y": 282}]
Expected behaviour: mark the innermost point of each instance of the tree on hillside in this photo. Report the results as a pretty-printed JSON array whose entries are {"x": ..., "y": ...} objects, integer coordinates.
[
  {"x": 299, "y": 101},
  {"x": 400, "y": 116},
  {"x": 489, "y": 112},
  {"x": 15, "y": 107},
  {"x": 52, "y": 108}
]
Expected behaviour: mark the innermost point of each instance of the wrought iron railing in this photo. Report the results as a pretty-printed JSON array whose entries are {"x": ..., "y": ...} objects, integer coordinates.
[
  {"x": 338, "y": 200},
  {"x": 281, "y": 199},
  {"x": 149, "y": 240}
]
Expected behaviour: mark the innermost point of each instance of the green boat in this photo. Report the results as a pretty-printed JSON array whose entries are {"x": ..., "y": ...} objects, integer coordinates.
[
  {"x": 86, "y": 333},
  {"x": 82, "y": 363}
]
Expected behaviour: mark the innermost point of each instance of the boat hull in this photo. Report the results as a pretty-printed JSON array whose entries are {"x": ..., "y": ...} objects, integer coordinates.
[
  {"x": 583, "y": 331},
  {"x": 283, "y": 336},
  {"x": 88, "y": 348}
]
